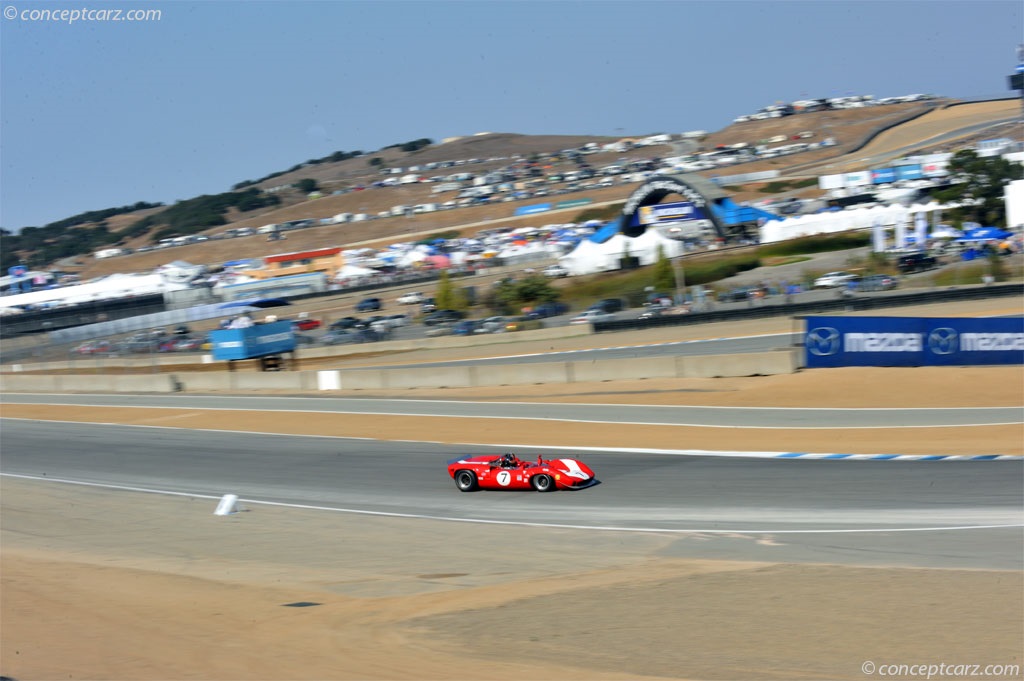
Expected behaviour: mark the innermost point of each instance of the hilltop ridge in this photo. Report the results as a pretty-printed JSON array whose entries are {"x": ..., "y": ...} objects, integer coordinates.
[{"x": 851, "y": 129}]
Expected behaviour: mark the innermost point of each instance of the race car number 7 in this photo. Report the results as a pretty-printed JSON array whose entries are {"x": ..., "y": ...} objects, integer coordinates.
[{"x": 503, "y": 478}]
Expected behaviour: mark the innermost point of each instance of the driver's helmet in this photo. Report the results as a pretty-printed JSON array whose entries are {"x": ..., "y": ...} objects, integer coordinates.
[{"x": 509, "y": 459}]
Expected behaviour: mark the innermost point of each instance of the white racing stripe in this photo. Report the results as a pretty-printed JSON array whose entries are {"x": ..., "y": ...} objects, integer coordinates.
[{"x": 483, "y": 521}]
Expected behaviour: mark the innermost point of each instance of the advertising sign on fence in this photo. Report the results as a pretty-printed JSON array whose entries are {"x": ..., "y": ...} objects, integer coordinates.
[
  {"x": 255, "y": 341},
  {"x": 530, "y": 210},
  {"x": 912, "y": 341},
  {"x": 572, "y": 203}
]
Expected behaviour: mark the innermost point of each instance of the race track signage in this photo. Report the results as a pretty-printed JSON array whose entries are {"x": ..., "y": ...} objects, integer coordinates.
[
  {"x": 256, "y": 341},
  {"x": 642, "y": 205},
  {"x": 912, "y": 341}
]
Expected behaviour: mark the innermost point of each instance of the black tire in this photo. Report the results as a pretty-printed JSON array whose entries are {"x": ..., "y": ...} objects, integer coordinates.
[
  {"x": 542, "y": 483},
  {"x": 465, "y": 480}
]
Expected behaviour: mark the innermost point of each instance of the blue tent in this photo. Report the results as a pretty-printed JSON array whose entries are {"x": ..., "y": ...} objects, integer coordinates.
[
  {"x": 605, "y": 233},
  {"x": 729, "y": 212},
  {"x": 985, "y": 234}
]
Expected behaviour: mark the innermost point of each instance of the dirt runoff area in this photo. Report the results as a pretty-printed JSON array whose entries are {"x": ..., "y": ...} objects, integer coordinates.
[{"x": 101, "y": 585}]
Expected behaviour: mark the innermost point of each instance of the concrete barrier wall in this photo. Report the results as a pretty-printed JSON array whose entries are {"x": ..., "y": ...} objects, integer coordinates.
[
  {"x": 205, "y": 381},
  {"x": 748, "y": 364},
  {"x": 270, "y": 380},
  {"x": 623, "y": 369},
  {"x": 29, "y": 383},
  {"x": 429, "y": 377},
  {"x": 363, "y": 379},
  {"x": 144, "y": 383},
  {"x": 700, "y": 366},
  {"x": 521, "y": 374}
]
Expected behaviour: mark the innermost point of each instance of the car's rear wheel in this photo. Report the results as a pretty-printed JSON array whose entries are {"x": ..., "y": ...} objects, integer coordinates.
[
  {"x": 542, "y": 483},
  {"x": 465, "y": 481}
]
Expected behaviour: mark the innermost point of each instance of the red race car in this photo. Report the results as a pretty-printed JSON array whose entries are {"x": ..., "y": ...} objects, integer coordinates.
[
  {"x": 511, "y": 472},
  {"x": 305, "y": 324}
]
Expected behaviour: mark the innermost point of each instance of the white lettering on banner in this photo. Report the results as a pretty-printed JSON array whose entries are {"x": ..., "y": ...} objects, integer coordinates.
[
  {"x": 974, "y": 342},
  {"x": 671, "y": 211},
  {"x": 273, "y": 338},
  {"x": 882, "y": 342},
  {"x": 229, "y": 344}
]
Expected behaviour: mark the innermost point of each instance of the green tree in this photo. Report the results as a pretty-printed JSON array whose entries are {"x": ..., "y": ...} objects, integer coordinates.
[
  {"x": 978, "y": 187},
  {"x": 664, "y": 276},
  {"x": 535, "y": 289},
  {"x": 445, "y": 298},
  {"x": 996, "y": 267},
  {"x": 509, "y": 296},
  {"x": 306, "y": 185},
  {"x": 376, "y": 161}
]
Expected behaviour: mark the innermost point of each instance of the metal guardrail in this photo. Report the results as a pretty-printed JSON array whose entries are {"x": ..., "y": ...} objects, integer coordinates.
[{"x": 855, "y": 303}]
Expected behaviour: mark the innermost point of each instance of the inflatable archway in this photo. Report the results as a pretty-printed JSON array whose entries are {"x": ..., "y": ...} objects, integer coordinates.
[{"x": 693, "y": 189}]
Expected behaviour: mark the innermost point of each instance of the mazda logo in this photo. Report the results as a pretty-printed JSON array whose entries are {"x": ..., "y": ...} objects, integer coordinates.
[
  {"x": 943, "y": 341},
  {"x": 823, "y": 341}
]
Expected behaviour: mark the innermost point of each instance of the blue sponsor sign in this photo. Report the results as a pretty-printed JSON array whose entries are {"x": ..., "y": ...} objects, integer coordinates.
[
  {"x": 535, "y": 208},
  {"x": 883, "y": 175},
  {"x": 912, "y": 341},
  {"x": 572, "y": 203},
  {"x": 910, "y": 172},
  {"x": 256, "y": 341}
]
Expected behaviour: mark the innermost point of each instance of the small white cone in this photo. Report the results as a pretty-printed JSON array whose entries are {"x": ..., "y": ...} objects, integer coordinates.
[{"x": 227, "y": 505}]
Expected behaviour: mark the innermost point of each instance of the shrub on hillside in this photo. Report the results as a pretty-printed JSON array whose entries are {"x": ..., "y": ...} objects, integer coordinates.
[
  {"x": 821, "y": 243},
  {"x": 603, "y": 213}
]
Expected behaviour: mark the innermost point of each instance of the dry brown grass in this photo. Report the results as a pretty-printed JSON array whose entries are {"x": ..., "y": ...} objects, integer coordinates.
[{"x": 850, "y": 127}]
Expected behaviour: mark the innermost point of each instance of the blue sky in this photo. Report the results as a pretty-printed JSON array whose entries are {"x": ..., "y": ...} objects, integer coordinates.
[{"x": 95, "y": 114}]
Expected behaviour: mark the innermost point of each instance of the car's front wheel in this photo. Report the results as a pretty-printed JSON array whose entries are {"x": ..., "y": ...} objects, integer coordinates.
[
  {"x": 542, "y": 483},
  {"x": 465, "y": 481}
]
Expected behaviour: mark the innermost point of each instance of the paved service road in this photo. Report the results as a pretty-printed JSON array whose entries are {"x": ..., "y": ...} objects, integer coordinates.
[
  {"x": 731, "y": 417},
  {"x": 863, "y": 511}
]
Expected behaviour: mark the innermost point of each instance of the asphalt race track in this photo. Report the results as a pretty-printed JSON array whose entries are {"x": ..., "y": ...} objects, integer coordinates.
[{"x": 938, "y": 514}]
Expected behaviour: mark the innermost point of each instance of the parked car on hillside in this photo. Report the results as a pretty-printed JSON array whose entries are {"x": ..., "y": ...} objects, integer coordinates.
[
  {"x": 591, "y": 316},
  {"x": 915, "y": 262},
  {"x": 442, "y": 317},
  {"x": 544, "y": 310},
  {"x": 345, "y": 323},
  {"x": 608, "y": 305},
  {"x": 835, "y": 279},
  {"x": 735, "y": 295},
  {"x": 305, "y": 324},
  {"x": 411, "y": 298},
  {"x": 555, "y": 271},
  {"x": 368, "y": 305},
  {"x": 877, "y": 282},
  {"x": 492, "y": 325},
  {"x": 466, "y": 327},
  {"x": 188, "y": 344}
]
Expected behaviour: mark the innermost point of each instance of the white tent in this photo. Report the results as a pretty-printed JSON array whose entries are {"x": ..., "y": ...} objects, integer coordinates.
[
  {"x": 840, "y": 221},
  {"x": 589, "y": 257}
]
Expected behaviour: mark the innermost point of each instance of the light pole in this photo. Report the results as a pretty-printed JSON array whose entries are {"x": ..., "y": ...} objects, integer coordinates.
[{"x": 680, "y": 276}]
